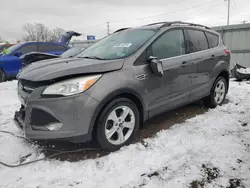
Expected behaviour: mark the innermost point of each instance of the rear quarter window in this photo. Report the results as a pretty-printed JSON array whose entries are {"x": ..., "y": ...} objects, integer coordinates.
[
  {"x": 197, "y": 40},
  {"x": 213, "y": 40}
]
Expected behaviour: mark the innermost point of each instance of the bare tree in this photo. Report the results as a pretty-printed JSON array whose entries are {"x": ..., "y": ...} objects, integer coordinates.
[
  {"x": 56, "y": 33},
  {"x": 40, "y": 33}
]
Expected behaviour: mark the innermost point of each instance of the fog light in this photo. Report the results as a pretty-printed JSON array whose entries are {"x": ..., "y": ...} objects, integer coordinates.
[{"x": 54, "y": 126}]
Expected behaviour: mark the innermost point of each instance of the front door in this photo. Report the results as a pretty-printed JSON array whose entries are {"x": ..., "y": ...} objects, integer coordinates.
[{"x": 176, "y": 81}]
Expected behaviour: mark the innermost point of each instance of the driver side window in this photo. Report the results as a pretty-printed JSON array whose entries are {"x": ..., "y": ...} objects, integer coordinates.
[{"x": 170, "y": 44}]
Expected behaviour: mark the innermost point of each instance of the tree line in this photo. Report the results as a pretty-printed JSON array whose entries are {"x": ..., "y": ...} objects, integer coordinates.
[{"x": 40, "y": 33}]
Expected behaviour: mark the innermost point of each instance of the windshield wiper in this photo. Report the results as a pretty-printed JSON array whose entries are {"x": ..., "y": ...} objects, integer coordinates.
[{"x": 92, "y": 57}]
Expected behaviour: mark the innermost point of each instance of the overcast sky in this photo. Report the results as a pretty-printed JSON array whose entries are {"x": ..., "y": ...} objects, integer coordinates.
[{"x": 90, "y": 17}]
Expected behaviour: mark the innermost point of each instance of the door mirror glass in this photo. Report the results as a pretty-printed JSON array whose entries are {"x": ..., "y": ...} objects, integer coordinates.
[
  {"x": 156, "y": 66},
  {"x": 18, "y": 54}
]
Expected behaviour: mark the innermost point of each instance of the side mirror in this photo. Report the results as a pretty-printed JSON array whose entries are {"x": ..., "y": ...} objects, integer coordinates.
[
  {"x": 156, "y": 66},
  {"x": 18, "y": 54}
]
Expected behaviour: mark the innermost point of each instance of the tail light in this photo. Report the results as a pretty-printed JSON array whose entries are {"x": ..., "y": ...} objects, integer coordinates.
[{"x": 227, "y": 51}]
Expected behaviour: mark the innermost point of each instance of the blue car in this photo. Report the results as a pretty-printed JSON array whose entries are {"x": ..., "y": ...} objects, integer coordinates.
[{"x": 10, "y": 61}]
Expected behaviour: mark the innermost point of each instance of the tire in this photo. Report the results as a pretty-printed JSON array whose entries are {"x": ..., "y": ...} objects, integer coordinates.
[
  {"x": 2, "y": 76},
  {"x": 109, "y": 128},
  {"x": 211, "y": 101}
]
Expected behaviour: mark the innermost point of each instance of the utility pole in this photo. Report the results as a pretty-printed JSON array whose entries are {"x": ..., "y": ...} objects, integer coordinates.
[
  {"x": 228, "y": 10},
  {"x": 108, "y": 28}
]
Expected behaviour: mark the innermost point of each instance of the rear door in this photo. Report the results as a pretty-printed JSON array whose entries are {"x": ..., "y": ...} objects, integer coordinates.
[
  {"x": 202, "y": 59},
  {"x": 176, "y": 81}
]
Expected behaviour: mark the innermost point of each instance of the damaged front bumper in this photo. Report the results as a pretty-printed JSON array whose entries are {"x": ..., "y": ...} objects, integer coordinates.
[{"x": 58, "y": 118}]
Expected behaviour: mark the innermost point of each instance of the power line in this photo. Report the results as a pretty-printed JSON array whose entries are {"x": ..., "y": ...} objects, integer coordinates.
[
  {"x": 236, "y": 7},
  {"x": 147, "y": 17},
  {"x": 95, "y": 25},
  {"x": 235, "y": 4},
  {"x": 168, "y": 13}
]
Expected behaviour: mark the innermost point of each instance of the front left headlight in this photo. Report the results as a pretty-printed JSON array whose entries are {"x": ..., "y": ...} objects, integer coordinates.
[{"x": 71, "y": 86}]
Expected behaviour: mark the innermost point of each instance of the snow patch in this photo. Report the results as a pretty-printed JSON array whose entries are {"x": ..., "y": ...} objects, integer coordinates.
[{"x": 213, "y": 144}]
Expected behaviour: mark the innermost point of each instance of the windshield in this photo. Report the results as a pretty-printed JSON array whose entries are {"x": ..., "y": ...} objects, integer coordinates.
[
  {"x": 72, "y": 52},
  {"x": 118, "y": 45},
  {"x": 11, "y": 49}
]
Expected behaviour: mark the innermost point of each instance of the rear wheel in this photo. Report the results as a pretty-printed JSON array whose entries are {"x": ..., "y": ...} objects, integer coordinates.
[
  {"x": 2, "y": 76},
  {"x": 218, "y": 93},
  {"x": 117, "y": 124}
]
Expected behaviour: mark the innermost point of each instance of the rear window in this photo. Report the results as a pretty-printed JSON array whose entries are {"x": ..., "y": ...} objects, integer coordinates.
[
  {"x": 197, "y": 41},
  {"x": 213, "y": 40}
]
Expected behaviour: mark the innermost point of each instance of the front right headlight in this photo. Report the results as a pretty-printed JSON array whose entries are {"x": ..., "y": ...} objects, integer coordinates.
[{"x": 71, "y": 86}]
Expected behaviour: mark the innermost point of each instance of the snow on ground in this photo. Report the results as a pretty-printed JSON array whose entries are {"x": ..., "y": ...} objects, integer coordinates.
[{"x": 210, "y": 150}]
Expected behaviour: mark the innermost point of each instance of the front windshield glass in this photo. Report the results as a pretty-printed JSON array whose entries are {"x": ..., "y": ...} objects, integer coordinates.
[
  {"x": 118, "y": 45},
  {"x": 72, "y": 52},
  {"x": 11, "y": 49}
]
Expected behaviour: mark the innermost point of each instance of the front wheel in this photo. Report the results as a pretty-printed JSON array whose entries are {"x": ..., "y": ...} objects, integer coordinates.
[
  {"x": 218, "y": 93},
  {"x": 117, "y": 124},
  {"x": 2, "y": 76}
]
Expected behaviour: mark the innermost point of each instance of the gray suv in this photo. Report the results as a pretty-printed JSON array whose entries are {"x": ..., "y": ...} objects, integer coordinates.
[{"x": 108, "y": 91}]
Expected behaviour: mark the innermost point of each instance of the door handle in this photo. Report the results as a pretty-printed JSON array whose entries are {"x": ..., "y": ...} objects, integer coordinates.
[
  {"x": 213, "y": 56},
  {"x": 184, "y": 64}
]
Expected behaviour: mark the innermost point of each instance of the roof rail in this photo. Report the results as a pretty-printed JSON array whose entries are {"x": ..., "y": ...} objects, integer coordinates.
[
  {"x": 166, "y": 24},
  {"x": 156, "y": 23},
  {"x": 184, "y": 23},
  {"x": 121, "y": 29}
]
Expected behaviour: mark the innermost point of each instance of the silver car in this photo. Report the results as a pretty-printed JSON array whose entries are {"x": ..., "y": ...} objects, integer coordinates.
[{"x": 105, "y": 93}]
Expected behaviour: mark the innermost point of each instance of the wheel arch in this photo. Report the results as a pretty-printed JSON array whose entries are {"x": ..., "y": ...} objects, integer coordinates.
[
  {"x": 2, "y": 69},
  {"x": 121, "y": 93}
]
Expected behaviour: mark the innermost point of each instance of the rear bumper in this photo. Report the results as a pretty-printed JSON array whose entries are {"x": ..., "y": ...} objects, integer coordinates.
[{"x": 74, "y": 113}]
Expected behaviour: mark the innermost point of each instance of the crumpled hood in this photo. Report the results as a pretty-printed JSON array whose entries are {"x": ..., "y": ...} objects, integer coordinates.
[{"x": 56, "y": 68}]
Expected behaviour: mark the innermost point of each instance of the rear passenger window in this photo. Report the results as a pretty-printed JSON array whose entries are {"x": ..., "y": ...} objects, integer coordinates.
[
  {"x": 213, "y": 40},
  {"x": 170, "y": 44},
  {"x": 197, "y": 41},
  {"x": 50, "y": 48}
]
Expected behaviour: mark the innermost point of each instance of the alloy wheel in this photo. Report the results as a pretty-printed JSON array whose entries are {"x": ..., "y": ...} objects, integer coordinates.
[
  {"x": 219, "y": 92},
  {"x": 119, "y": 125}
]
